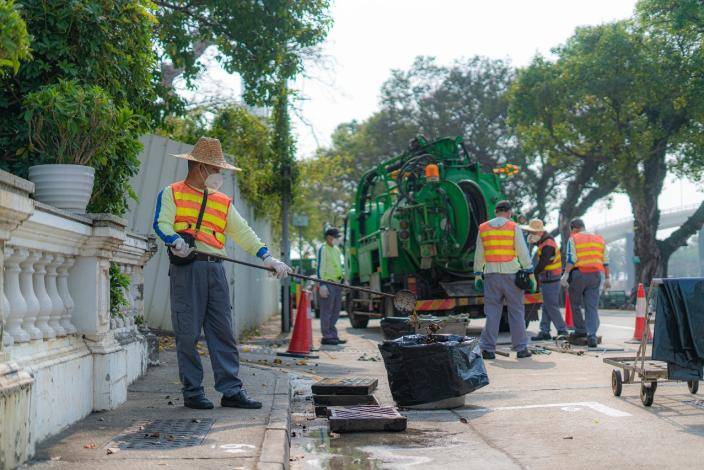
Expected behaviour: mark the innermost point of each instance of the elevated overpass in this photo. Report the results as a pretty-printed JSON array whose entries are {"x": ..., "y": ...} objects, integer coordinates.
[{"x": 623, "y": 228}]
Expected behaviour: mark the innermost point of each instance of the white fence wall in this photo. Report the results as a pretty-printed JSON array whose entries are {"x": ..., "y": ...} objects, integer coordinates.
[{"x": 254, "y": 294}]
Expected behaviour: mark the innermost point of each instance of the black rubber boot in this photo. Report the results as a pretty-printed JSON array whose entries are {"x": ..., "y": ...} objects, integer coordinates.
[
  {"x": 592, "y": 342},
  {"x": 241, "y": 400},
  {"x": 198, "y": 403},
  {"x": 523, "y": 354}
]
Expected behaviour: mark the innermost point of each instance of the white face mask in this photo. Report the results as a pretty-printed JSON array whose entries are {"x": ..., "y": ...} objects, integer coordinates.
[
  {"x": 214, "y": 181},
  {"x": 533, "y": 238}
]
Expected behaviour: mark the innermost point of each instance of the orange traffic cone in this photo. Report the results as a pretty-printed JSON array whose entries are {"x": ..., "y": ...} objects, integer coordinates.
[
  {"x": 302, "y": 338},
  {"x": 568, "y": 311},
  {"x": 641, "y": 325}
]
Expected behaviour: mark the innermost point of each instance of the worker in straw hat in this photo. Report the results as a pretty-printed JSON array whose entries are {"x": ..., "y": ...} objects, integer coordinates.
[
  {"x": 193, "y": 219},
  {"x": 548, "y": 269}
]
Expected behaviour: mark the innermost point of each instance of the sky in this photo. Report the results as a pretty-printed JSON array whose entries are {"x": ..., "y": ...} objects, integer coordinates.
[{"x": 370, "y": 38}]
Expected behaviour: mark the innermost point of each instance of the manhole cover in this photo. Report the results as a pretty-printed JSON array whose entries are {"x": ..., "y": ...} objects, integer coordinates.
[
  {"x": 345, "y": 386},
  {"x": 163, "y": 434},
  {"x": 695, "y": 403}
]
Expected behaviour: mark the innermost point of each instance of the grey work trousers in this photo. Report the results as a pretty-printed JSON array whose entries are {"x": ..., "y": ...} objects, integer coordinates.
[
  {"x": 584, "y": 290},
  {"x": 551, "y": 306},
  {"x": 200, "y": 299},
  {"x": 330, "y": 312},
  {"x": 497, "y": 289}
]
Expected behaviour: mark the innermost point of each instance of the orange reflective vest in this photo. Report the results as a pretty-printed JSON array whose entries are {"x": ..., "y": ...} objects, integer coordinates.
[
  {"x": 188, "y": 202},
  {"x": 590, "y": 252},
  {"x": 499, "y": 242},
  {"x": 555, "y": 266}
]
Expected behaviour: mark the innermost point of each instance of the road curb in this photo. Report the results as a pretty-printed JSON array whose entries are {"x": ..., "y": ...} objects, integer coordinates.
[{"x": 276, "y": 444}]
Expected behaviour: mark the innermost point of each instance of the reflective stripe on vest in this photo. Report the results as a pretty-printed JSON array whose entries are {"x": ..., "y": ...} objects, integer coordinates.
[
  {"x": 555, "y": 266},
  {"x": 188, "y": 202},
  {"x": 590, "y": 252},
  {"x": 499, "y": 242}
]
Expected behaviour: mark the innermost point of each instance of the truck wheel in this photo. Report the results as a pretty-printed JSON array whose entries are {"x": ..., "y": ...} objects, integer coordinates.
[{"x": 357, "y": 320}]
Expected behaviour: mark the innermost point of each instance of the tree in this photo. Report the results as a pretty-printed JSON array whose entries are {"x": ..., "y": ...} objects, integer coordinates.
[
  {"x": 628, "y": 98},
  {"x": 265, "y": 42},
  {"x": 14, "y": 39},
  {"x": 104, "y": 44}
]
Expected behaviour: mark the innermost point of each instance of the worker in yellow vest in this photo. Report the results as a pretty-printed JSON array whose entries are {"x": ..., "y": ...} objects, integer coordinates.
[
  {"x": 330, "y": 268},
  {"x": 586, "y": 270},
  {"x": 548, "y": 270},
  {"x": 193, "y": 215},
  {"x": 502, "y": 253}
]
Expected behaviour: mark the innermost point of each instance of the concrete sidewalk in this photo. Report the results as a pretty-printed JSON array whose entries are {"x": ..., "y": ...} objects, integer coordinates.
[{"x": 237, "y": 438}]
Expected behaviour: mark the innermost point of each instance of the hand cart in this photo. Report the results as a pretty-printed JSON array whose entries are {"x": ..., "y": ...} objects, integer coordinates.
[{"x": 648, "y": 370}]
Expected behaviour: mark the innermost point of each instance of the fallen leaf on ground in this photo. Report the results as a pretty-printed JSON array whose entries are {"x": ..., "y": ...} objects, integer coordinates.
[
  {"x": 302, "y": 363},
  {"x": 56, "y": 457},
  {"x": 277, "y": 361},
  {"x": 154, "y": 434},
  {"x": 334, "y": 435},
  {"x": 463, "y": 420},
  {"x": 112, "y": 450},
  {"x": 89, "y": 446},
  {"x": 568, "y": 437},
  {"x": 170, "y": 403},
  {"x": 195, "y": 420}
]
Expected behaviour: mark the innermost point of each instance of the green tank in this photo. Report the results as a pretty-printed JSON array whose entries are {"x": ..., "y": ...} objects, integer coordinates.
[{"x": 414, "y": 225}]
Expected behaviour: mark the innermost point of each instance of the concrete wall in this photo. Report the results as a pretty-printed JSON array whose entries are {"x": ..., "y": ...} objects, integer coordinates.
[{"x": 254, "y": 294}]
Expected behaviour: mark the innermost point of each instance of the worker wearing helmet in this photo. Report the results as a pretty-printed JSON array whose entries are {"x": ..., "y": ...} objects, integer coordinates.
[
  {"x": 501, "y": 255},
  {"x": 548, "y": 269},
  {"x": 586, "y": 271},
  {"x": 193, "y": 215},
  {"x": 330, "y": 269}
]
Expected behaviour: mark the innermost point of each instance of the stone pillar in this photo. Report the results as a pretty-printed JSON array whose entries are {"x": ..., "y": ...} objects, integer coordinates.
[
  {"x": 15, "y": 384},
  {"x": 630, "y": 266},
  {"x": 91, "y": 314}
]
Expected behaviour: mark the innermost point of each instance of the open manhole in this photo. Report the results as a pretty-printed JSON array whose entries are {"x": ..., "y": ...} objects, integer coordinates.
[{"x": 163, "y": 434}]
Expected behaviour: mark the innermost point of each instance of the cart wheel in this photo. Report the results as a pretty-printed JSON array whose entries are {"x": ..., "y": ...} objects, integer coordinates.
[
  {"x": 616, "y": 382},
  {"x": 647, "y": 393},
  {"x": 693, "y": 386}
]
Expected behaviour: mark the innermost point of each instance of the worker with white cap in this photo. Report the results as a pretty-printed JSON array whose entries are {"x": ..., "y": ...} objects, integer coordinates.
[
  {"x": 548, "y": 269},
  {"x": 193, "y": 215}
]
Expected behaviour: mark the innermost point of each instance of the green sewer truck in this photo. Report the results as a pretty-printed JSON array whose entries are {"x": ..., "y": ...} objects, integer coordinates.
[{"x": 413, "y": 225}]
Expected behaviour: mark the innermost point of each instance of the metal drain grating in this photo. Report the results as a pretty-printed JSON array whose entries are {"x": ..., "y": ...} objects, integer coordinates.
[
  {"x": 163, "y": 434},
  {"x": 695, "y": 403}
]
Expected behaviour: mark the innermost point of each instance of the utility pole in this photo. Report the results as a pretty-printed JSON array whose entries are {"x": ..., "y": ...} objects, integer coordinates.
[{"x": 283, "y": 147}]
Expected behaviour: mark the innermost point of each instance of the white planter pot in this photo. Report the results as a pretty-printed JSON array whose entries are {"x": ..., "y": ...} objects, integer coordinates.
[{"x": 67, "y": 187}]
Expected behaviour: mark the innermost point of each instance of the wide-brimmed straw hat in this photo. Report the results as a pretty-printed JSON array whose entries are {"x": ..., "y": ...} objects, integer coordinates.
[
  {"x": 209, "y": 151},
  {"x": 535, "y": 225}
]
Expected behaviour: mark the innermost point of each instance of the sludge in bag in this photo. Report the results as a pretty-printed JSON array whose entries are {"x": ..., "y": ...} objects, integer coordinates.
[{"x": 422, "y": 372}]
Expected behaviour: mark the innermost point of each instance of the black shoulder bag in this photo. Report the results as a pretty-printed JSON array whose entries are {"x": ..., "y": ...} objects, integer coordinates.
[{"x": 188, "y": 238}]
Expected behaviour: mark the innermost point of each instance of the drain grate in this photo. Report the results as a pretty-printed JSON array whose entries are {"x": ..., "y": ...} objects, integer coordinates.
[
  {"x": 695, "y": 403},
  {"x": 345, "y": 386},
  {"x": 163, "y": 434},
  {"x": 366, "y": 418}
]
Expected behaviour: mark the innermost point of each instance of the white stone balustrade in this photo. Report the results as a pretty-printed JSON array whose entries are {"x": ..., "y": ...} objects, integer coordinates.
[{"x": 59, "y": 357}]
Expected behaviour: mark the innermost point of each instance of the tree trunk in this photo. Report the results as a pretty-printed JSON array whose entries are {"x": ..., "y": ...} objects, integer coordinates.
[{"x": 643, "y": 192}]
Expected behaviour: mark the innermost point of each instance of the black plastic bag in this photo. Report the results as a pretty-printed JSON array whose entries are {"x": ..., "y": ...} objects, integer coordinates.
[
  {"x": 679, "y": 327},
  {"x": 422, "y": 373},
  {"x": 395, "y": 327}
]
